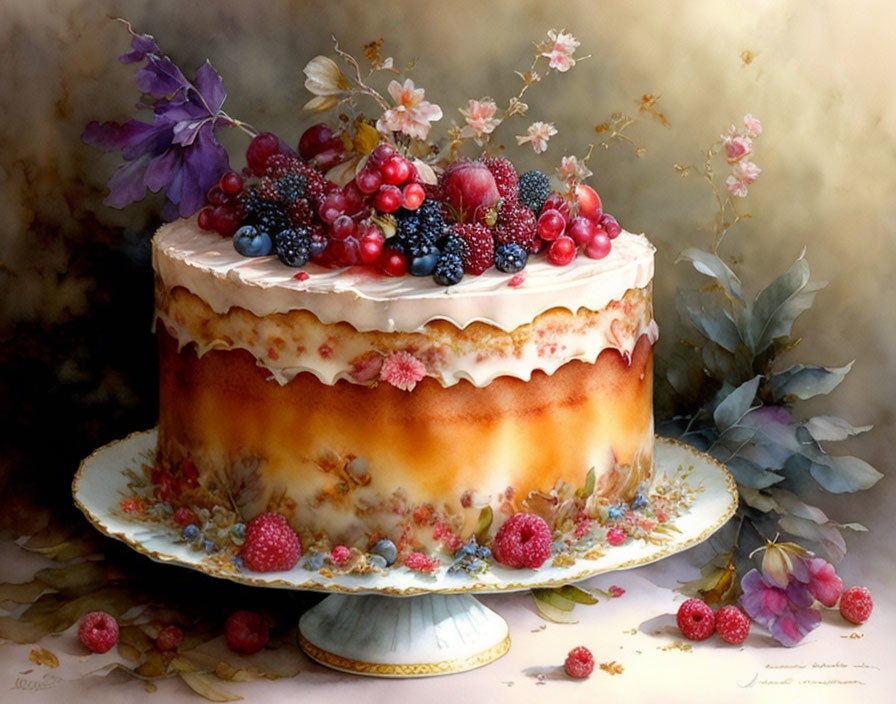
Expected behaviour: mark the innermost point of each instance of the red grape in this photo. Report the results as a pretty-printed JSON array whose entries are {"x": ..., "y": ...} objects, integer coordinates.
[
  {"x": 387, "y": 199},
  {"x": 562, "y": 251},
  {"x": 599, "y": 245},
  {"x": 551, "y": 224}
]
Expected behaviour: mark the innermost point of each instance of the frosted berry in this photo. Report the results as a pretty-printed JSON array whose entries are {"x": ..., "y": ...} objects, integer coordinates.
[
  {"x": 616, "y": 536},
  {"x": 340, "y": 555},
  {"x": 480, "y": 247},
  {"x": 534, "y": 190},
  {"x": 420, "y": 562},
  {"x": 169, "y": 638},
  {"x": 562, "y": 251},
  {"x": 505, "y": 175},
  {"x": 98, "y": 631},
  {"x": 579, "y": 663},
  {"x": 516, "y": 223},
  {"x": 856, "y": 604},
  {"x": 732, "y": 625},
  {"x": 523, "y": 540},
  {"x": 449, "y": 269},
  {"x": 246, "y": 632},
  {"x": 589, "y": 202},
  {"x": 271, "y": 544},
  {"x": 696, "y": 620}
]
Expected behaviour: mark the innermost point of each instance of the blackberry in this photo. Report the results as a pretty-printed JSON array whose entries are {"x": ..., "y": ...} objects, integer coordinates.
[
  {"x": 290, "y": 188},
  {"x": 452, "y": 244},
  {"x": 510, "y": 257},
  {"x": 449, "y": 269},
  {"x": 417, "y": 230},
  {"x": 293, "y": 245},
  {"x": 534, "y": 189},
  {"x": 267, "y": 215}
]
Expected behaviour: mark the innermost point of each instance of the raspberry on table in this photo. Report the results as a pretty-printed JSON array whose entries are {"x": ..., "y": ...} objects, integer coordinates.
[
  {"x": 579, "y": 663},
  {"x": 246, "y": 632},
  {"x": 524, "y": 540},
  {"x": 696, "y": 620},
  {"x": 271, "y": 544},
  {"x": 856, "y": 604},
  {"x": 169, "y": 638},
  {"x": 98, "y": 630},
  {"x": 732, "y": 625}
]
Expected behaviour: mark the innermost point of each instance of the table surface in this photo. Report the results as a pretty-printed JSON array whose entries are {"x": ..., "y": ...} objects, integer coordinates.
[{"x": 836, "y": 662}]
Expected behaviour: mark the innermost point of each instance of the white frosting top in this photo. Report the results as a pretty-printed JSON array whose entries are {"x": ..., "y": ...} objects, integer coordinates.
[{"x": 208, "y": 266}]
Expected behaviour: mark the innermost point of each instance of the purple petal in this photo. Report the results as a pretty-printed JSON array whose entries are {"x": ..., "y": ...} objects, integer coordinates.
[
  {"x": 799, "y": 595},
  {"x": 762, "y": 602},
  {"x": 824, "y": 584},
  {"x": 126, "y": 185},
  {"x": 141, "y": 45},
  {"x": 210, "y": 87},
  {"x": 791, "y": 627},
  {"x": 185, "y": 133},
  {"x": 161, "y": 170},
  {"x": 800, "y": 569},
  {"x": 205, "y": 161},
  {"x": 160, "y": 78},
  {"x": 110, "y": 136}
]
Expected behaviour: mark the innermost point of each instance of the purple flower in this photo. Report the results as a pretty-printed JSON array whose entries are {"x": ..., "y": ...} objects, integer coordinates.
[
  {"x": 787, "y": 613},
  {"x": 178, "y": 151}
]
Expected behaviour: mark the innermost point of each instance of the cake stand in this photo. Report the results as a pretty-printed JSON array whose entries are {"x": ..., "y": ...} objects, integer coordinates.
[{"x": 400, "y": 623}]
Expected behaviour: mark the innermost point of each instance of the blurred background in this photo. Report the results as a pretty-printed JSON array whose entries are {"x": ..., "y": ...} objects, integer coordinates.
[{"x": 78, "y": 356}]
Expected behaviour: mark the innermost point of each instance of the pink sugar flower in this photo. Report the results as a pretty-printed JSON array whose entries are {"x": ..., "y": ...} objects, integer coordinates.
[
  {"x": 560, "y": 54},
  {"x": 403, "y": 370},
  {"x": 754, "y": 127},
  {"x": 538, "y": 135},
  {"x": 480, "y": 118},
  {"x": 742, "y": 175},
  {"x": 411, "y": 114},
  {"x": 737, "y": 147}
]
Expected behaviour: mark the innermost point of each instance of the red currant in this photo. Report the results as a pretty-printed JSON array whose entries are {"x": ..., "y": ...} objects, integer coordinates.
[
  {"x": 231, "y": 183},
  {"x": 387, "y": 199},
  {"x": 562, "y": 251},
  {"x": 392, "y": 262},
  {"x": 369, "y": 180},
  {"x": 205, "y": 219},
  {"x": 412, "y": 196},
  {"x": 551, "y": 224},
  {"x": 581, "y": 230},
  {"x": 599, "y": 246}
]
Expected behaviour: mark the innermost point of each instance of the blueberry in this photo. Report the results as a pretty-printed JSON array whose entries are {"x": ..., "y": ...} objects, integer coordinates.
[
  {"x": 616, "y": 511},
  {"x": 208, "y": 545},
  {"x": 424, "y": 265},
  {"x": 251, "y": 242},
  {"x": 191, "y": 532},
  {"x": 377, "y": 561},
  {"x": 640, "y": 501},
  {"x": 484, "y": 552},
  {"x": 385, "y": 548},
  {"x": 315, "y": 561}
]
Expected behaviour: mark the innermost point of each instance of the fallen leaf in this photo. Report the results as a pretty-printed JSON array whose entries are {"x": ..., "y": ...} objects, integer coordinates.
[
  {"x": 23, "y": 593},
  {"x": 205, "y": 686},
  {"x": 43, "y": 657}
]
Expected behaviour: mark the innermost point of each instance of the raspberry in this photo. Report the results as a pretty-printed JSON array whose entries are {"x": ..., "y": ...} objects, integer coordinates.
[
  {"x": 271, "y": 545},
  {"x": 505, "y": 175},
  {"x": 419, "y": 562},
  {"x": 524, "y": 540},
  {"x": 579, "y": 663},
  {"x": 856, "y": 604},
  {"x": 169, "y": 638},
  {"x": 246, "y": 632},
  {"x": 696, "y": 620},
  {"x": 339, "y": 555},
  {"x": 184, "y": 517},
  {"x": 516, "y": 223},
  {"x": 732, "y": 625},
  {"x": 616, "y": 536},
  {"x": 480, "y": 250},
  {"x": 98, "y": 631}
]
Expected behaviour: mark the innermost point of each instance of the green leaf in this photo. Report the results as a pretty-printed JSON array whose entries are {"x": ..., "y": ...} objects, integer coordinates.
[
  {"x": 710, "y": 317},
  {"x": 826, "y": 534},
  {"x": 751, "y": 474},
  {"x": 776, "y": 308},
  {"x": 553, "y": 607},
  {"x": 847, "y": 474},
  {"x": 554, "y": 598},
  {"x": 710, "y": 265},
  {"x": 832, "y": 428},
  {"x": 807, "y": 380},
  {"x": 483, "y": 524},
  {"x": 588, "y": 489},
  {"x": 576, "y": 594},
  {"x": 720, "y": 363},
  {"x": 736, "y": 404}
]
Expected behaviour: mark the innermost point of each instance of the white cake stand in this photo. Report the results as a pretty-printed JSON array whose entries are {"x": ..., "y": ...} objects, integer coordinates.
[{"x": 400, "y": 623}]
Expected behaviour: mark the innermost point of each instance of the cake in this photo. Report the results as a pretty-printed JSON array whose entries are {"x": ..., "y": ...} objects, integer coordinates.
[
  {"x": 382, "y": 344},
  {"x": 278, "y": 391}
]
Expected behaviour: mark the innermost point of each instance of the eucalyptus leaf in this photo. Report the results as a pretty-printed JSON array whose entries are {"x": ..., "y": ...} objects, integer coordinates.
[
  {"x": 711, "y": 318},
  {"x": 756, "y": 499},
  {"x": 750, "y": 474},
  {"x": 846, "y": 474},
  {"x": 806, "y": 380},
  {"x": 777, "y": 306},
  {"x": 825, "y": 534},
  {"x": 711, "y": 265},
  {"x": 720, "y": 363},
  {"x": 832, "y": 428},
  {"x": 554, "y": 598},
  {"x": 736, "y": 404},
  {"x": 790, "y": 503}
]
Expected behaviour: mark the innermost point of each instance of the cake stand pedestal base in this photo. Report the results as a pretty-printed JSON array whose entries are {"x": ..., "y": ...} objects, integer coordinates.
[{"x": 417, "y": 636}]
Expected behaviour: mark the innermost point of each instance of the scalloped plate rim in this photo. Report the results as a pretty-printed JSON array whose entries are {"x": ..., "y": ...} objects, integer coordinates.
[{"x": 133, "y": 450}]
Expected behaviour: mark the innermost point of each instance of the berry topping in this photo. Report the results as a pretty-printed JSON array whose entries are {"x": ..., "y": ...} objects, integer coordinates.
[
  {"x": 369, "y": 180},
  {"x": 579, "y": 663},
  {"x": 271, "y": 544},
  {"x": 449, "y": 269},
  {"x": 318, "y": 139},
  {"x": 551, "y": 224},
  {"x": 261, "y": 148},
  {"x": 598, "y": 246},
  {"x": 516, "y": 223},
  {"x": 524, "y": 540},
  {"x": 616, "y": 536},
  {"x": 392, "y": 262},
  {"x": 396, "y": 170},
  {"x": 169, "y": 638},
  {"x": 386, "y": 549},
  {"x": 98, "y": 631},
  {"x": 608, "y": 222},
  {"x": 582, "y": 230},
  {"x": 480, "y": 247},
  {"x": 856, "y": 604},
  {"x": 388, "y": 199},
  {"x": 419, "y": 562},
  {"x": 470, "y": 190},
  {"x": 510, "y": 257},
  {"x": 412, "y": 195},
  {"x": 534, "y": 189},
  {"x": 588, "y": 202},
  {"x": 249, "y": 242},
  {"x": 732, "y": 625},
  {"x": 246, "y": 632},
  {"x": 562, "y": 251},
  {"x": 293, "y": 246},
  {"x": 184, "y": 517},
  {"x": 505, "y": 176},
  {"x": 231, "y": 183},
  {"x": 426, "y": 263},
  {"x": 340, "y": 555},
  {"x": 696, "y": 620}
]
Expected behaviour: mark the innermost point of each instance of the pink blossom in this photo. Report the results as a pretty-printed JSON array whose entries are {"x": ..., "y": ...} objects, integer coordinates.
[
  {"x": 754, "y": 127},
  {"x": 787, "y": 613},
  {"x": 737, "y": 147},
  {"x": 403, "y": 370},
  {"x": 823, "y": 583},
  {"x": 570, "y": 169},
  {"x": 480, "y": 118},
  {"x": 538, "y": 135},
  {"x": 560, "y": 54},
  {"x": 411, "y": 114},
  {"x": 742, "y": 175}
]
